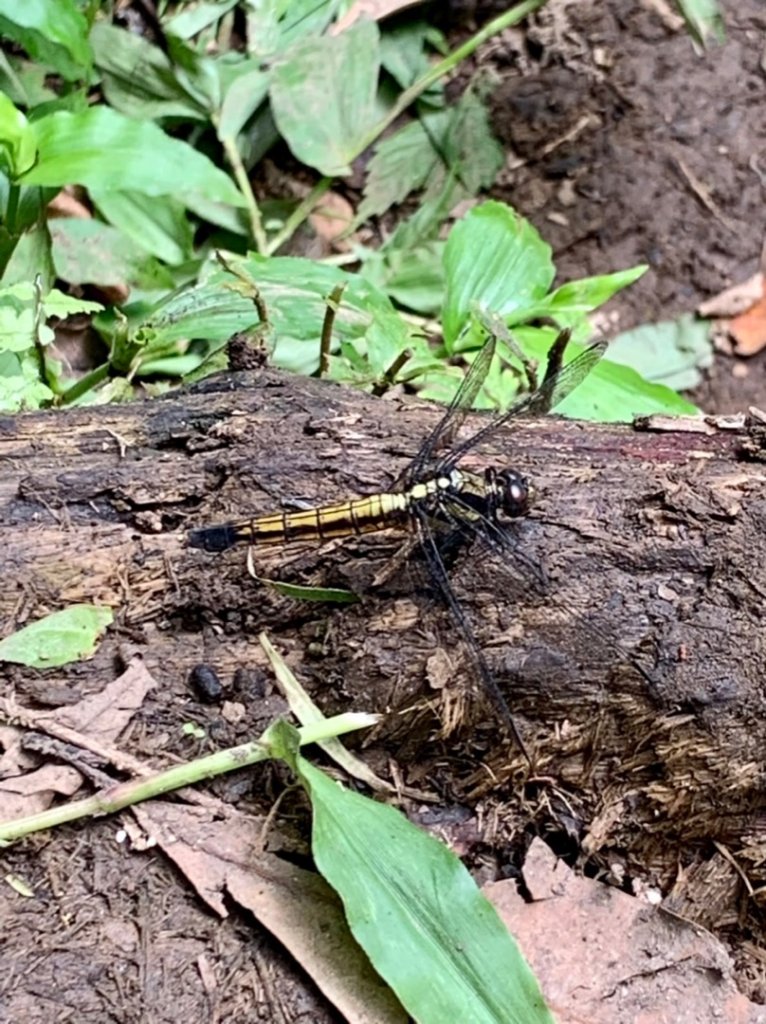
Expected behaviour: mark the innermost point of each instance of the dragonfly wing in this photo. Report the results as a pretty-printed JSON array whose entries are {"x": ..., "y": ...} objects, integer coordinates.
[
  {"x": 440, "y": 577},
  {"x": 448, "y": 426},
  {"x": 558, "y": 383}
]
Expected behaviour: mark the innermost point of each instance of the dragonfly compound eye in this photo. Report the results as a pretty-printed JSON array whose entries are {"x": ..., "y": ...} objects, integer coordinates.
[{"x": 515, "y": 492}]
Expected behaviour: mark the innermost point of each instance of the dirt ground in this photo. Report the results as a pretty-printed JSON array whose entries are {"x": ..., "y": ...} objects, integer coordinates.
[{"x": 644, "y": 128}]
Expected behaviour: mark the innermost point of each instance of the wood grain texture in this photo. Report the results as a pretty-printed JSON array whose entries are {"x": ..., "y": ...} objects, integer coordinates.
[{"x": 653, "y": 543}]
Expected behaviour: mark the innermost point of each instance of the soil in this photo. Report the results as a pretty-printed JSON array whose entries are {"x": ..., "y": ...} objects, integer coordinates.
[{"x": 616, "y": 128}]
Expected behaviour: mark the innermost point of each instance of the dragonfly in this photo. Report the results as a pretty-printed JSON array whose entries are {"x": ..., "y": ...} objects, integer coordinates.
[{"x": 443, "y": 503}]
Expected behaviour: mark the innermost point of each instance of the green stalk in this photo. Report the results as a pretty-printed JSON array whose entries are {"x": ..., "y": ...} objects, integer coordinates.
[
  {"x": 125, "y": 794},
  {"x": 14, "y": 192},
  {"x": 84, "y": 384},
  {"x": 240, "y": 175},
  {"x": 297, "y": 217}
]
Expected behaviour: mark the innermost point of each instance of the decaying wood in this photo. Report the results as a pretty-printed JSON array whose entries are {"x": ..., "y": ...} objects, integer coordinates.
[{"x": 653, "y": 543}]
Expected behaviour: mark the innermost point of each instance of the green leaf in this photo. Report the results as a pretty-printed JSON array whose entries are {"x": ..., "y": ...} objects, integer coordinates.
[
  {"x": 20, "y": 384},
  {"x": 242, "y": 97},
  {"x": 192, "y": 20},
  {"x": 671, "y": 351},
  {"x": 100, "y": 148},
  {"x": 17, "y": 314},
  {"x": 414, "y": 278},
  {"x": 65, "y": 636},
  {"x": 403, "y": 53},
  {"x": 446, "y": 149},
  {"x": 53, "y": 32},
  {"x": 91, "y": 252},
  {"x": 18, "y": 144},
  {"x": 609, "y": 394},
  {"x": 31, "y": 256},
  {"x": 568, "y": 304},
  {"x": 495, "y": 259},
  {"x": 295, "y": 292},
  {"x": 418, "y": 914},
  {"x": 140, "y": 80},
  {"x": 470, "y": 147},
  {"x": 159, "y": 226},
  {"x": 401, "y": 163},
  {"x": 704, "y": 19},
  {"x": 330, "y": 595},
  {"x": 323, "y": 96}
]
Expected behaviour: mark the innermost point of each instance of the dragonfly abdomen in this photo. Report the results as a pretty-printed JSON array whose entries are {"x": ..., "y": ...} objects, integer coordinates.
[{"x": 325, "y": 522}]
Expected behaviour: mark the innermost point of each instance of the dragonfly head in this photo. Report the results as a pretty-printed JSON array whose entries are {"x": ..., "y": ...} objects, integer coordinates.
[{"x": 512, "y": 492}]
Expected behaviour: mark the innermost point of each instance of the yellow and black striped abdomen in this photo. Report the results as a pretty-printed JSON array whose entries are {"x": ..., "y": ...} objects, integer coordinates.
[{"x": 346, "y": 519}]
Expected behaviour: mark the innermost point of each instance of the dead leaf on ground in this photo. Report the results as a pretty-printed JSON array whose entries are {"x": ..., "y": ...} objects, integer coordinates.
[
  {"x": 742, "y": 308},
  {"x": 222, "y": 858},
  {"x": 749, "y": 329},
  {"x": 733, "y": 301},
  {"x": 331, "y": 218},
  {"x": 30, "y": 782},
  {"x": 602, "y": 956}
]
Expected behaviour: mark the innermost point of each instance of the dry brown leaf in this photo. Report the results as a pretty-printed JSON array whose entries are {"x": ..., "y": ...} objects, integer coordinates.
[
  {"x": 35, "y": 791},
  {"x": 749, "y": 330},
  {"x": 29, "y": 784},
  {"x": 331, "y": 218},
  {"x": 104, "y": 715},
  {"x": 735, "y": 300},
  {"x": 222, "y": 857},
  {"x": 603, "y": 956}
]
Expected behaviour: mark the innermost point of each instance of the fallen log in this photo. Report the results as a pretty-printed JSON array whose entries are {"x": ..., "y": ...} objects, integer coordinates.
[{"x": 652, "y": 540}]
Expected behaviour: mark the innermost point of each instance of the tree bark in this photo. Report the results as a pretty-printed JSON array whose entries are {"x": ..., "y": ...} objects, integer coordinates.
[{"x": 653, "y": 543}]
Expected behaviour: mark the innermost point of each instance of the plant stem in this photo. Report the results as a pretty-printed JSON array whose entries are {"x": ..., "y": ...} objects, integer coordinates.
[
  {"x": 11, "y": 210},
  {"x": 84, "y": 384},
  {"x": 240, "y": 174},
  {"x": 297, "y": 217},
  {"x": 125, "y": 794}
]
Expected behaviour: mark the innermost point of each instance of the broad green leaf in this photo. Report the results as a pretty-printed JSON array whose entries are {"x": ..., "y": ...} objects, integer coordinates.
[
  {"x": 672, "y": 351},
  {"x": 446, "y": 149},
  {"x": 91, "y": 252},
  {"x": 18, "y": 144},
  {"x": 17, "y": 314},
  {"x": 101, "y": 148},
  {"x": 60, "y": 638},
  {"x": 414, "y": 278},
  {"x": 26, "y": 82},
  {"x": 192, "y": 20},
  {"x": 609, "y": 394},
  {"x": 242, "y": 97},
  {"x": 568, "y": 304},
  {"x": 53, "y": 32},
  {"x": 418, "y": 914},
  {"x": 401, "y": 163},
  {"x": 704, "y": 19},
  {"x": 31, "y": 256},
  {"x": 302, "y": 19},
  {"x": 323, "y": 96},
  {"x": 470, "y": 147},
  {"x": 404, "y": 53},
  {"x": 140, "y": 80},
  {"x": 494, "y": 259},
  {"x": 20, "y": 384},
  {"x": 159, "y": 226},
  {"x": 295, "y": 292}
]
